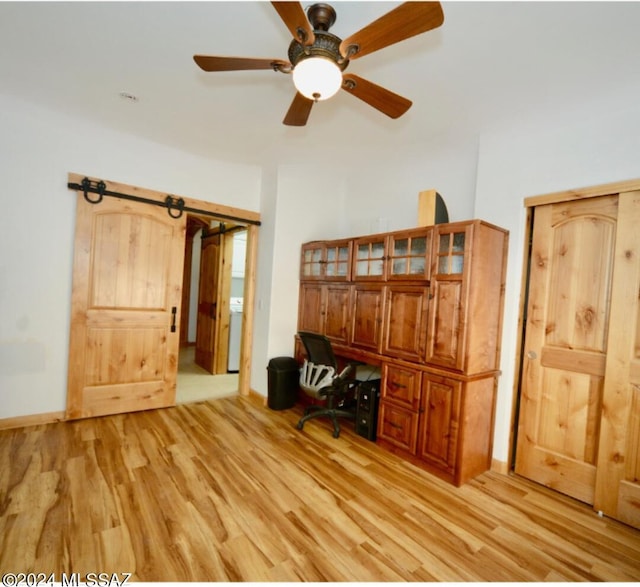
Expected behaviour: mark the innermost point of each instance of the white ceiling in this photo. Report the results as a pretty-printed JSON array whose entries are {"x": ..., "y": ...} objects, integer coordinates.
[{"x": 490, "y": 63}]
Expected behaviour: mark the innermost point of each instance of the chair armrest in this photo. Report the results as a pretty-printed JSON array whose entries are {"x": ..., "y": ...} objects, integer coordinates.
[{"x": 343, "y": 374}]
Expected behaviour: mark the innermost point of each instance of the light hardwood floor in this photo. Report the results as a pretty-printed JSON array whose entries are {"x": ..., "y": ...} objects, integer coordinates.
[
  {"x": 196, "y": 384},
  {"x": 228, "y": 490}
]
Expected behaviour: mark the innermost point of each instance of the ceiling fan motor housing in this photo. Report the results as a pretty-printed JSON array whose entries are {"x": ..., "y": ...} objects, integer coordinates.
[
  {"x": 322, "y": 17},
  {"x": 325, "y": 45}
]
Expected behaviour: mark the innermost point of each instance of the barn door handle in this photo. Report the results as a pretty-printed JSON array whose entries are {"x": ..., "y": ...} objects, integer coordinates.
[{"x": 174, "y": 311}]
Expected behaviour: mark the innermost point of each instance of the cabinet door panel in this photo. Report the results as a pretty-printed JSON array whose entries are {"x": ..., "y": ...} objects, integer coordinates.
[
  {"x": 401, "y": 386},
  {"x": 326, "y": 260},
  {"x": 368, "y": 306},
  {"x": 409, "y": 255},
  {"x": 369, "y": 255},
  {"x": 398, "y": 426},
  {"x": 312, "y": 261},
  {"x": 338, "y": 260},
  {"x": 439, "y": 426},
  {"x": 336, "y": 324},
  {"x": 311, "y": 308},
  {"x": 444, "y": 346},
  {"x": 406, "y": 322}
]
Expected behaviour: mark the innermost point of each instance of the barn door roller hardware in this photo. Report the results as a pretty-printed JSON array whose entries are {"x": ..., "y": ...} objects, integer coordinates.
[{"x": 175, "y": 206}]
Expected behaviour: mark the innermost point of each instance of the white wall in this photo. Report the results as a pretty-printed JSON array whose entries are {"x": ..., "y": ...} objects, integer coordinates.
[
  {"x": 38, "y": 148},
  {"x": 383, "y": 195},
  {"x": 537, "y": 157},
  {"x": 296, "y": 208},
  {"x": 262, "y": 315}
]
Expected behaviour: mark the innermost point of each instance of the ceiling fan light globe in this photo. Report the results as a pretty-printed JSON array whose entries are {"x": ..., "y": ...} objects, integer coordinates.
[{"x": 317, "y": 78}]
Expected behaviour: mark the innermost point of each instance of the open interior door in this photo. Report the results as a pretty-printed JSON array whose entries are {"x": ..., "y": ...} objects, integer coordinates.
[
  {"x": 127, "y": 280},
  {"x": 208, "y": 297}
]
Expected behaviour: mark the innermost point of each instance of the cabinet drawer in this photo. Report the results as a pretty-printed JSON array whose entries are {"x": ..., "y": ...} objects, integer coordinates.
[
  {"x": 398, "y": 426},
  {"x": 401, "y": 386}
]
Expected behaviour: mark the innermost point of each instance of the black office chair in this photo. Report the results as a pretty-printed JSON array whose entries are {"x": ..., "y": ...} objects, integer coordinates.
[{"x": 319, "y": 379}]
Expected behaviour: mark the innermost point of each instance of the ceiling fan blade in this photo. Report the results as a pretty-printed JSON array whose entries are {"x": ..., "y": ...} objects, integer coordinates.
[
  {"x": 380, "y": 98},
  {"x": 299, "y": 111},
  {"x": 405, "y": 21},
  {"x": 210, "y": 63},
  {"x": 292, "y": 14}
]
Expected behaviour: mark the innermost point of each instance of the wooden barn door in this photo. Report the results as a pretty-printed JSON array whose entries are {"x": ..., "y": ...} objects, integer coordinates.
[
  {"x": 127, "y": 280},
  {"x": 579, "y": 420}
]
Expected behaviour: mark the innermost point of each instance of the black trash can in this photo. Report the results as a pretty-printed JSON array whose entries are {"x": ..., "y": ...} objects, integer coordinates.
[{"x": 283, "y": 375}]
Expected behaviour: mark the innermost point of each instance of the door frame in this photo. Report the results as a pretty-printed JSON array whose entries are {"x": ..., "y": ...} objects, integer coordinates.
[
  {"x": 530, "y": 204},
  {"x": 217, "y": 212}
]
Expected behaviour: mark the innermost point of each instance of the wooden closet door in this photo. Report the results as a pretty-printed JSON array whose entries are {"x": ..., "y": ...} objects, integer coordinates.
[
  {"x": 566, "y": 338},
  {"x": 125, "y": 315},
  {"x": 618, "y": 473}
]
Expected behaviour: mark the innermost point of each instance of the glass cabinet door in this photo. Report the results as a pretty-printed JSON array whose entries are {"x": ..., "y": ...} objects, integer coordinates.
[
  {"x": 326, "y": 260},
  {"x": 369, "y": 258},
  {"x": 450, "y": 253},
  {"x": 312, "y": 261},
  {"x": 410, "y": 255},
  {"x": 338, "y": 262}
]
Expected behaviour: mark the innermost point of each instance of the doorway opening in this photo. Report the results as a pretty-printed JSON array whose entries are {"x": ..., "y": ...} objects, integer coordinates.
[{"x": 212, "y": 310}]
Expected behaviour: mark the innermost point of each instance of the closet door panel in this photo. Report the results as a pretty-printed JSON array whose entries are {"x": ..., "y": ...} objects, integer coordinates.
[
  {"x": 566, "y": 337},
  {"x": 618, "y": 475}
]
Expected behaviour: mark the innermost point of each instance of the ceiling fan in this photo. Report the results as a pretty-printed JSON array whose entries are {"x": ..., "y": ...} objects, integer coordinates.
[{"x": 318, "y": 58}]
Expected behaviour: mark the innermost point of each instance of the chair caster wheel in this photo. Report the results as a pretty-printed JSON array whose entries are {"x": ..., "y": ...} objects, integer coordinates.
[
  {"x": 299, "y": 425},
  {"x": 336, "y": 433}
]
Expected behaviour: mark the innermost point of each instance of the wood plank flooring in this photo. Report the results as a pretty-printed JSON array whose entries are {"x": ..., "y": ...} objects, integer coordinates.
[{"x": 228, "y": 490}]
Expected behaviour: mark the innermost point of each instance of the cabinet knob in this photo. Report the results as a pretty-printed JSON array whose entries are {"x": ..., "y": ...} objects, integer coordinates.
[{"x": 532, "y": 355}]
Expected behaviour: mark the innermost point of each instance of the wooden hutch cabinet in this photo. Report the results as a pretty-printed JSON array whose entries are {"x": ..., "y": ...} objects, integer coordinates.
[{"x": 424, "y": 304}]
